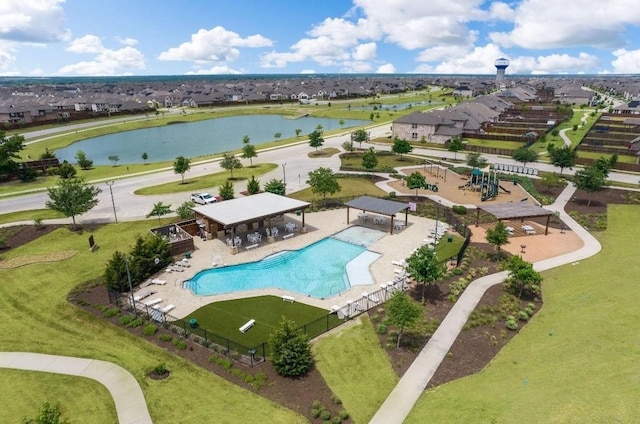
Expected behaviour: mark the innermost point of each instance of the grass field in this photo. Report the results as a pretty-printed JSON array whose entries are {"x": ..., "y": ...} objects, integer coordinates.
[
  {"x": 576, "y": 361},
  {"x": 349, "y": 187},
  {"x": 29, "y": 216},
  {"x": 224, "y": 318},
  {"x": 356, "y": 368},
  {"x": 385, "y": 161},
  {"x": 36, "y": 316}
]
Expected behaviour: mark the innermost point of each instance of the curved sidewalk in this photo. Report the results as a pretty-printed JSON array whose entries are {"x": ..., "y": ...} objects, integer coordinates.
[
  {"x": 411, "y": 386},
  {"x": 131, "y": 406}
]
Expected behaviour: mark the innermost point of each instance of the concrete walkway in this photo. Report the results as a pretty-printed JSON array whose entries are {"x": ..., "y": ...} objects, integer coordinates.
[
  {"x": 127, "y": 395},
  {"x": 411, "y": 386}
]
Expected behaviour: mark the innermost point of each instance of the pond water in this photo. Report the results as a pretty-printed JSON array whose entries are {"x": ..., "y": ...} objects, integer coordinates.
[{"x": 193, "y": 139}]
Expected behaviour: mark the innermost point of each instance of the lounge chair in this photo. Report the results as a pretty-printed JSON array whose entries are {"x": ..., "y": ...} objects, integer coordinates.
[
  {"x": 158, "y": 282},
  {"x": 168, "y": 308},
  {"x": 153, "y": 302}
]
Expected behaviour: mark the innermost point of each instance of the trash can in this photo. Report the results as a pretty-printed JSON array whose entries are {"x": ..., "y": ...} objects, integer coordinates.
[
  {"x": 298, "y": 213},
  {"x": 187, "y": 255},
  {"x": 449, "y": 239},
  {"x": 515, "y": 182},
  {"x": 193, "y": 323}
]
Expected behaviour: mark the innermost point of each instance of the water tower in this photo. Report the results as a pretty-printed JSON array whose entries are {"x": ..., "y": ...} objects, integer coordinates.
[{"x": 501, "y": 65}]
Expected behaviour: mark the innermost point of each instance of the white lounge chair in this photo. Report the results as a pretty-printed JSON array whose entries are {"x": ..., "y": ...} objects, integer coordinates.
[
  {"x": 158, "y": 282},
  {"x": 168, "y": 308},
  {"x": 153, "y": 302}
]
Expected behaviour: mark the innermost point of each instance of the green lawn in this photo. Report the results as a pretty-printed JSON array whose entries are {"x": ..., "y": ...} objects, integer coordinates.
[
  {"x": 208, "y": 182},
  {"x": 349, "y": 188},
  {"x": 224, "y": 318},
  {"x": 576, "y": 361},
  {"x": 446, "y": 249},
  {"x": 356, "y": 369},
  {"x": 36, "y": 316},
  {"x": 385, "y": 161},
  {"x": 30, "y": 215}
]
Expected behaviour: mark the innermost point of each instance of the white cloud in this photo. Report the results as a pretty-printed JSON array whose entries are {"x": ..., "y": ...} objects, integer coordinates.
[
  {"x": 108, "y": 62},
  {"x": 307, "y": 71},
  {"x": 216, "y": 70},
  {"x": 33, "y": 21},
  {"x": 626, "y": 61},
  {"x": 477, "y": 60},
  {"x": 356, "y": 67},
  {"x": 501, "y": 11},
  {"x": 540, "y": 24},
  {"x": 86, "y": 44},
  {"x": 36, "y": 72},
  {"x": 387, "y": 68},
  {"x": 127, "y": 41},
  {"x": 214, "y": 45},
  {"x": 364, "y": 51},
  {"x": 7, "y": 59}
]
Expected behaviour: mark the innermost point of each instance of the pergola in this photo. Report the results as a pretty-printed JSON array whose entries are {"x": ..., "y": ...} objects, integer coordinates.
[
  {"x": 380, "y": 206},
  {"x": 514, "y": 210},
  {"x": 258, "y": 208}
]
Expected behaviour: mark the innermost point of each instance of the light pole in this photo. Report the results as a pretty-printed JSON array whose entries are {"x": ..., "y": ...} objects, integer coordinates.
[
  {"x": 110, "y": 184},
  {"x": 284, "y": 176}
]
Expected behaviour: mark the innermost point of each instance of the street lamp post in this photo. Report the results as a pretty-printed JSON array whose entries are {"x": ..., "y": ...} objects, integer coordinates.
[
  {"x": 284, "y": 176},
  {"x": 110, "y": 184}
]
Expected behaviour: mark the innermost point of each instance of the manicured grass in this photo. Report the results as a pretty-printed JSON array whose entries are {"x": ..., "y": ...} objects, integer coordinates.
[
  {"x": 208, "y": 181},
  {"x": 75, "y": 396},
  {"x": 35, "y": 315},
  {"x": 350, "y": 187},
  {"x": 446, "y": 249},
  {"x": 29, "y": 215},
  {"x": 385, "y": 161},
  {"x": 576, "y": 361},
  {"x": 323, "y": 153},
  {"x": 498, "y": 144},
  {"x": 224, "y": 318},
  {"x": 356, "y": 369}
]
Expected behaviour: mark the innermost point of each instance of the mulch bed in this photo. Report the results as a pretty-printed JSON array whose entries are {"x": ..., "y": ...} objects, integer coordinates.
[{"x": 471, "y": 352}]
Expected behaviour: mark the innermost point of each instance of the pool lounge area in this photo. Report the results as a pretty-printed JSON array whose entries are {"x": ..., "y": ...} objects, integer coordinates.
[{"x": 319, "y": 225}]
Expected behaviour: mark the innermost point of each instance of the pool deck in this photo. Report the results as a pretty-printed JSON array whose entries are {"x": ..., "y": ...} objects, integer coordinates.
[{"x": 392, "y": 247}]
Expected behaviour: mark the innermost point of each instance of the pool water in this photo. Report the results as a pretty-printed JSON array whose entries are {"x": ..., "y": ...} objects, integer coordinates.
[{"x": 318, "y": 270}]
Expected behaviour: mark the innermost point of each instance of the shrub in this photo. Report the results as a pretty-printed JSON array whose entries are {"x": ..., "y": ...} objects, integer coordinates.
[
  {"x": 523, "y": 316},
  {"x": 126, "y": 319},
  {"x": 336, "y": 400},
  {"x": 149, "y": 330},
  {"x": 111, "y": 312},
  {"x": 382, "y": 329},
  {"x": 165, "y": 337},
  {"x": 336, "y": 420},
  {"x": 317, "y": 405},
  {"x": 181, "y": 345},
  {"x": 135, "y": 323},
  {"x": 315, "y": 413},
  {"x": 325, "y": 415},
  {"x": 512, "y": 324},
  {"x": 459, "y": 209},
  {"x": 458, "y": 271},
  {"x": 160, "y": 369},
  {"x": 344, "y": 415}
]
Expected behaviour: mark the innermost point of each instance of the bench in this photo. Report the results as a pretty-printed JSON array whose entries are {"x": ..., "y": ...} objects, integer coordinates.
[
  {"x": 286, "y": 298},
  {"x": 247, "y": 325},
  {"x": 287, "y": 236},
  {"x": 251, "y": 246}
]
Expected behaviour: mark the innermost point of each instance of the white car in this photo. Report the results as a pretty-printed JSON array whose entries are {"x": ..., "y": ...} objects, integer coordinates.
[{"x": 203, "y": 198}]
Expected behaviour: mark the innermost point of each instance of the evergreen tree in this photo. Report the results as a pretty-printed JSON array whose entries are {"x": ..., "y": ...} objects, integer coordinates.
[{"x": 290, "y": 350}]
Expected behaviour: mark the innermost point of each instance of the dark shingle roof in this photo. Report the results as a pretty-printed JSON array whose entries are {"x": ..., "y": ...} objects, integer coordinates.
[{"x": 381, "y": 206}]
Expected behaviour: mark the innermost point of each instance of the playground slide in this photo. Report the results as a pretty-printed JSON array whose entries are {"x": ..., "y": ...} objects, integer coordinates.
[
  {"x": 504, "y": 189},
  {"x": 492, "y": 192}
]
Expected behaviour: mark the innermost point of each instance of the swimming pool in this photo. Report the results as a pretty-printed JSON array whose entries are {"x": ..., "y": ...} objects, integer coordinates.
[{"x": 318, "y": 270}]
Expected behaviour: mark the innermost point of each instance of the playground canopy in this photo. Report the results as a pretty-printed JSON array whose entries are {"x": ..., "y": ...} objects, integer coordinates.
[
  {"x": 518, "y": 210},
  {"x": 379, "y": 206}
]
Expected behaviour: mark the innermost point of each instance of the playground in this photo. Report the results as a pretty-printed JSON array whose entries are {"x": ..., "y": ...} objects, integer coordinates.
[{"x": 464, "y": 190}]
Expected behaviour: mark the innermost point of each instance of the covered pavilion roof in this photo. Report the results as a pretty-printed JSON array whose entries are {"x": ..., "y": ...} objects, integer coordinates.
[
  {"x": 515, "y": 210},
  {"x": 379, "y": 206}
]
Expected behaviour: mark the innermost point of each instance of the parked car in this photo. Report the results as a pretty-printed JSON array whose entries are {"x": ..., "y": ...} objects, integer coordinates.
[{"x": 203, "y": 198}]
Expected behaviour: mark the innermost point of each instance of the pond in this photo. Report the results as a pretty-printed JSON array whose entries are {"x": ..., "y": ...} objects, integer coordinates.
[{"x": 193, "y": 139}]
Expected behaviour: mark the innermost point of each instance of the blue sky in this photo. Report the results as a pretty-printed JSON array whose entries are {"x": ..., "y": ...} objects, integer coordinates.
[{"x": 174, "y": 37}]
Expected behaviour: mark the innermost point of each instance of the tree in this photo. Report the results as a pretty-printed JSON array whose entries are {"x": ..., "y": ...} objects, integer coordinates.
[
  {"x": 49, "y": 414},
  {"x": 403, "y": 312},
  {"x": 474, "y": 160},
  {"x": 9, "y": 149},
  {"x": 298, "y": 131},
  {"x": 590, "y": 179},
  {"x": 253, "y": 185},
  {"x": 145, "y": 156},
  {"x": 563, "y": 157},
  {"x": 523, "y": 281},
  {"x": 226, "y": 190},
  {"x": 47, "y": 154},
  {"x": 159, "y": 210},
  {"x": 66, "y": 170},
  {"x": 142, "y": 259},
  {"x": 277, "y": 135},
  {"x": 246, "y": 139},
  {"x": 275, "y": 186},
  {"x": 341, "y": 122},
  {"x": 73, "y": 196},
  {"x": 498, "y": 236},
  {"x": 416, "y": 180},
  {"x": 230, "y": 162},
  {"x": 290, "y": 350},
  {"x": 114, "y": 159},
  {"x": 83, "y": 161},
  {"x": 424, "y": 267},
  {"x": 359, "y": 136},
  {"x": 315, "y": 139},
  {"x": 323, "y": 181},
  {"x": 185, "y": 210},
  {"x": 348, "y": 146},
  {"x": 369, "y": 160},
  {"x": 575, "y": 127},
  {"x": 455, "y": 146},
  {"x": 249, "y": 152},
  {"x": 524, "y": 155},
  {"x": 180, "y": 166},
  {"x": 550, "y": 180},
  {"x": 555, "y": 133},
  {"x": 401, "y": 146}
]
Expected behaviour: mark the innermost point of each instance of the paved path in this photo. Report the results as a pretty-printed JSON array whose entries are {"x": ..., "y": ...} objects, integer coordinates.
[
  {"x": 127, "y": 395},
  {"x": 412, "y": 385}
]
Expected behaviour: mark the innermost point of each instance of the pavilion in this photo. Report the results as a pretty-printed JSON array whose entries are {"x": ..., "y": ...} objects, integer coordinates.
[
  {"x": 519, "y": 210},
  {"x": 379, "y": 206}
]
